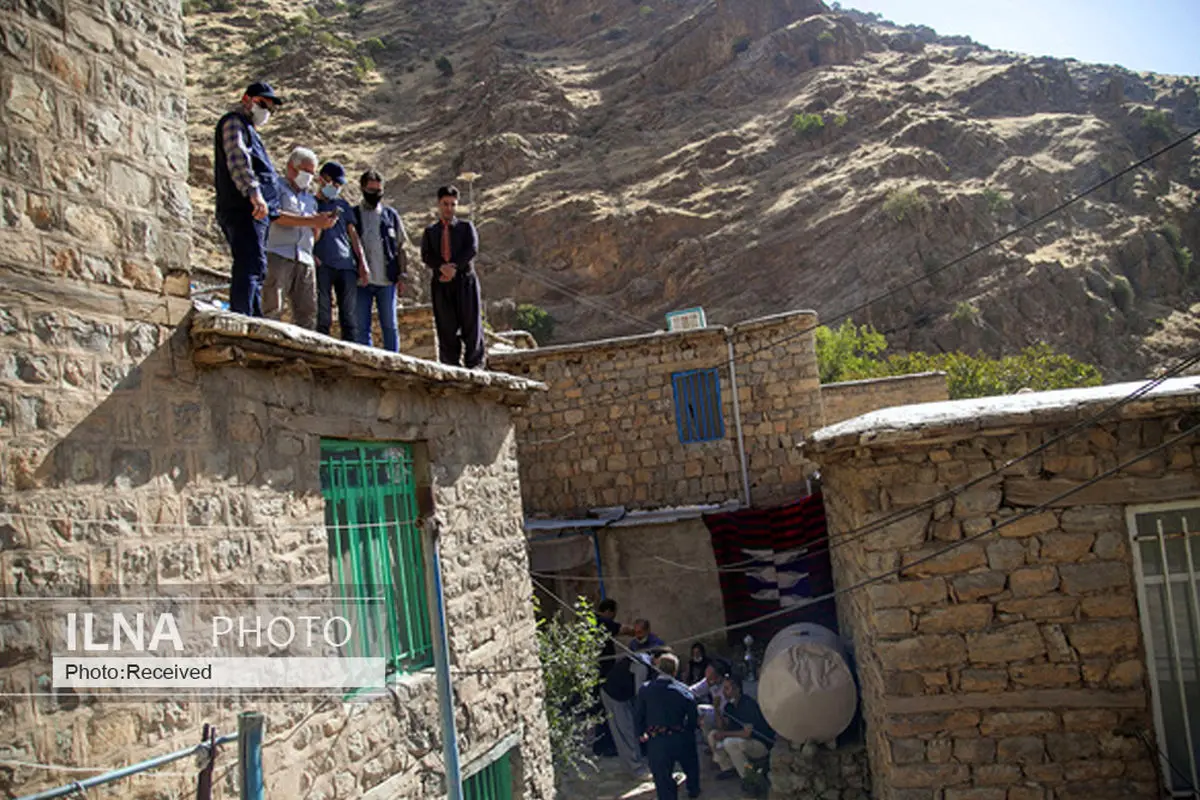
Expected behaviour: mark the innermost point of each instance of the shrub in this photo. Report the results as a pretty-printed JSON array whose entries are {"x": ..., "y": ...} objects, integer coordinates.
[
  {"x": 223, "y": 5},
  {"x": 997, "y": 201},
  {"x": 855, "y": 353},
  {"x": 826, "y": 37},
  {"x": 808, "y": 125},
  {"x": 364, "y": 67},
  {"x": 965, "y": 313},
  {"x": 536, "y": 320},
  {"x": 903, "y": 205},
  {"x": 372, "y": 46},
  {"x": 840, "y": 121},
  {"x": 1122, "y": 293},
  {"x": 1158, "y": 125},
  {"x": 741, "y": 44},
  {"x": 569, "y": 646},
  {"x": 273, "y": 52},
  {"x": 444, "y": 66},
  {"x": 646, "y": 11}
]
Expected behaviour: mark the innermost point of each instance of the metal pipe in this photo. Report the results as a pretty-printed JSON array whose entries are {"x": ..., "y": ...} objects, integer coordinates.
[
  {"x": 599, "y": 565},
  {"x": 441, "y": 665},
  {"x": 124, "y": 772},
  {"x": 737, "y": 421},
  {"x": 250, "y": 741}
]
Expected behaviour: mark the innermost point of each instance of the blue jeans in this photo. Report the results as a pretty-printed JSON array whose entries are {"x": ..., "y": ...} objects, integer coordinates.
[
  {"x": 384, "y": 298},
  {"x": 247, "y": 239},
  {"x": 344, "y": 283}
]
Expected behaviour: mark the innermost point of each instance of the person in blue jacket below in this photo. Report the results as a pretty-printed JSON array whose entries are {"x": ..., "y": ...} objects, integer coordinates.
[
  {"x": 665, "y": 716},
  {"x": 341, "y": 265},
  {"x": 383, "y": 239},
  {"x": 247, "y": 199},
  {"x": 449, "y": 247}
]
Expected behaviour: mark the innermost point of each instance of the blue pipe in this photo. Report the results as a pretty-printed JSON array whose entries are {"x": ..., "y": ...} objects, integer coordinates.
[
  {"x": 441, "y": 664},
  {"x": 250, "y": 743}
]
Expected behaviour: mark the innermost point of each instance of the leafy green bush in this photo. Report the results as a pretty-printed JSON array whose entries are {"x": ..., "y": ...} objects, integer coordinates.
[
  {"x": 997, "y": 201},
  {"x": 741, "y": 44},
  {"x": 905, "y": 204},
  {"x": 1183, "y": 255},
  {"x": 536, "y": 320},
  {"x": 646, "y": 11},
  {"x": 1158, "y": 125},
  {"x": 273, "y": 52},
  {"x": 569, "y": 645},
  {"x": 808, "y": 125},
  {"x": 965, "y": 313},
  {"x": 223, "y": 5},
  {"x": 372, "y": 46},
  {"x": 364, "y": 67},
  {"x": 850, "y": 352},
  {"x": 840, "y": 121},
  {"x": 444, "y": 66},
  {"x": 826, "y": 37},
  {"x": 1122, "y": 293}
]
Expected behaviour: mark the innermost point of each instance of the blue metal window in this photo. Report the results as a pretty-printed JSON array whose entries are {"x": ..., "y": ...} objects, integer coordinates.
[
  {"x": 698, "y": 405},
  {"x": 493, "y": 782}
]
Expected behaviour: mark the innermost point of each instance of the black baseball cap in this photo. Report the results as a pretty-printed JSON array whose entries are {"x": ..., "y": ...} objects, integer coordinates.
[
  {"x": 334, "y": 171},
  {"x": 263, "y": 89}
]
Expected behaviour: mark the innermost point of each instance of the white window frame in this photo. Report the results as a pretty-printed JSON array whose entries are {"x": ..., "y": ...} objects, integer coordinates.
[{"x": 1131, "y": 514}]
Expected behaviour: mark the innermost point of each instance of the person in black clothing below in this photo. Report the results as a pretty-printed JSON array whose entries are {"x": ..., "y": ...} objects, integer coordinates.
[
  {"x": 666, "y": 716},
  {"x": 697, "y": 666},
  {"x": 743, "y": 733},
  {"x": 449, "y": 247},
  {"x": 606, "y": 613},
  {"x": 245, "y": 181}
]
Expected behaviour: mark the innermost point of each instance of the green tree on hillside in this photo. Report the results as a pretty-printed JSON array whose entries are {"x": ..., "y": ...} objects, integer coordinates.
[{"x": 852, "y": 352}]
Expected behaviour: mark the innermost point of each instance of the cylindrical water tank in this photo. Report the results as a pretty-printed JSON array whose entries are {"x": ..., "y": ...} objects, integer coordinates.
[{"x": 805, "y": 690}]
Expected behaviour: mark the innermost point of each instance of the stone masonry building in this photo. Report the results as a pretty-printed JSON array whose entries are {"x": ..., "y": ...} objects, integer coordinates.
[
  {"x": 153, "y": 445},
  {"x": 1039, "y": 638}
]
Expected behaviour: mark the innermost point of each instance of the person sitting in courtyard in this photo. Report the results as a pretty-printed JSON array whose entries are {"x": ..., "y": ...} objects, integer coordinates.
[{"x": 743, "y": 733}]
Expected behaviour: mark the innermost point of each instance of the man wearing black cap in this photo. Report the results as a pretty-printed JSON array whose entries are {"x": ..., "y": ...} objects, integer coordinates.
[
  {"x": 448, "y": 248},
  {"x": 341, "y": 265},
  {"x": 247, "y": 197}
]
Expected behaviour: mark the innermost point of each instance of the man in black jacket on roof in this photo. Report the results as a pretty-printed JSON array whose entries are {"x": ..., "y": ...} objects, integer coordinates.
[{"x": 449, "y": 247}]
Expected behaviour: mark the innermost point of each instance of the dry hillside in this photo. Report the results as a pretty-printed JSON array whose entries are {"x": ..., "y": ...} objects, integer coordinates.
[{"x": 644, "y": 157}]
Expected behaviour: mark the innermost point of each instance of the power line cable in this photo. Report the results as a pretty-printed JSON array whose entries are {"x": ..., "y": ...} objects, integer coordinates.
[{"x": 567, "y": 290}]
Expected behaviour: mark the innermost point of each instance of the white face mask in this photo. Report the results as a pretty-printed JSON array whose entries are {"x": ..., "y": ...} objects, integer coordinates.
[
  {"x": 260, "y": 115},
  {"x": 304, "y": 179}
]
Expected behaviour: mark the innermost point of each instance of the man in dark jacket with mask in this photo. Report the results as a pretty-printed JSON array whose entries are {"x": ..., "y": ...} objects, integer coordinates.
[
  {"x": 247, "y": 198},
  {"x": 665, "y": 716},
  {"x": 383, "y": 239}
]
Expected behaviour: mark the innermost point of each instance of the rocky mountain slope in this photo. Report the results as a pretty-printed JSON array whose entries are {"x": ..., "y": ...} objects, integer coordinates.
[{"x": 749, "y": 157}]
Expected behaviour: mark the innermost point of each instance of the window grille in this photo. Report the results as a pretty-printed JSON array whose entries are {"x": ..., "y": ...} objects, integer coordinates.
[
  {"x": 493, "y": 782},
  {"x": 375, "y": 550},
  {"x": 698, "y": 405},
  {"x": 1166, "y": 551}
]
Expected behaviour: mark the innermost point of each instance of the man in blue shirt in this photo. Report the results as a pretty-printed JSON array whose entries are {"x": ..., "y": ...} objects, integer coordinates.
[
  {"x": 449, "y": 247},
  {"x": 665, "y": 716},
  {"x": 341, "y": 265},
  {"x": 643, "y": 637},
  {"x": 290, "y": 270}
]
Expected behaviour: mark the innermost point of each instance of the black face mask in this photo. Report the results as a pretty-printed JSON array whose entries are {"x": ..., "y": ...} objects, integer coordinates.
[{"x": 371, "y": 199}]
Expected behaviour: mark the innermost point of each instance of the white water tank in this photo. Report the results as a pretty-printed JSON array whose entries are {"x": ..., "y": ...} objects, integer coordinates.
[{"x": 805, "y": 689}]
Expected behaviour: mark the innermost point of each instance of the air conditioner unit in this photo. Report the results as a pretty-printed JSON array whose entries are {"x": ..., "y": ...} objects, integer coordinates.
[{"x": 689, "y": 319}]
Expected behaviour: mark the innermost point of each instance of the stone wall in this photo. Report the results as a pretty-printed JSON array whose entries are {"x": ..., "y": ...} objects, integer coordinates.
[
  {"x": 180, "y": 475},
  {"x": 605, "y": 434},
  {"x": 812, "y": 771},
  {"x": 1011, "y": 666},
  {"x": 850, "y": 399}
]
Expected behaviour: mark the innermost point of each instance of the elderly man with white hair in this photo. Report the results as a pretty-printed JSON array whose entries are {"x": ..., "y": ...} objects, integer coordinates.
[{"x": 291, "y": 271}]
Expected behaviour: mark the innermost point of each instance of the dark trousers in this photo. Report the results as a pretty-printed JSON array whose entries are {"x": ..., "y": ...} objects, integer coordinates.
[
  {"x": 456, "y": 313},
  {"x": 343, "y": 282},
  {"x": 247, "y": 239},
  {"x": 663, "y": 752}
]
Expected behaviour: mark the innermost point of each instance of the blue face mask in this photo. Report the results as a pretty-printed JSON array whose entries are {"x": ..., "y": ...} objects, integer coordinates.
[{"x": 329, "y": 191}]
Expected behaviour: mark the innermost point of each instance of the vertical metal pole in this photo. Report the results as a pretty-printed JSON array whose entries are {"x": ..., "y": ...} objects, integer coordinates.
[
  {"x": 737, "y": 421},
  {"x": 441, "y": 665},
  {"x": 204, "y": 779},
  {"x": 250, "y": 742},
  {"x": 1177, "y": 660}
]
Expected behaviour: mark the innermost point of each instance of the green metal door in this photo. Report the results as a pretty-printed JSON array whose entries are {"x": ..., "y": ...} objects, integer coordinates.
[
  {"x": 375, "y": 549},
  {"x": 493, "y": 782}
]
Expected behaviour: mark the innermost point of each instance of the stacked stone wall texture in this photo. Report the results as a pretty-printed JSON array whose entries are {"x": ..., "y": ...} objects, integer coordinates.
[
  {"x": 120, "y": 461},
  {"x": 1013, "y": 666},
  {"x": 799, "y": 770},
  {"x": 843, "y": 401},
  {"x": 605, "y": 434}
]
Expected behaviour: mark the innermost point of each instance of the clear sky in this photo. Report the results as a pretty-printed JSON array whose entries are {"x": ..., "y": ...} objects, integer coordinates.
[{"x": 1141, "y": 35}]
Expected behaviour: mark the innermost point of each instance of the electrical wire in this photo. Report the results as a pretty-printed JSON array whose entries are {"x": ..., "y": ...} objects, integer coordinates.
[{"x": 563, "y": 288}]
